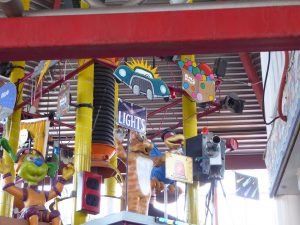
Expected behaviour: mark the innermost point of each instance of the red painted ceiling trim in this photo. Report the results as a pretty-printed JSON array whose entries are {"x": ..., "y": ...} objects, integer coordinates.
[
  {"x": 150, "y": 33},
  {"x": 235, "y": 162}
]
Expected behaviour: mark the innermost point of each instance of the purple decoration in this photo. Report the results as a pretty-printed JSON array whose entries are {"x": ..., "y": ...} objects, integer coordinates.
[{"x": 199, "y": 96}]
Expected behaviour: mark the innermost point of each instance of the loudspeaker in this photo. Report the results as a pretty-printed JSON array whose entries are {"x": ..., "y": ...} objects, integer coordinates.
[
  {"x": 220, "y": 67},
  {"x": 5, "y": 68},
  {"x": 88, "y": 192}
]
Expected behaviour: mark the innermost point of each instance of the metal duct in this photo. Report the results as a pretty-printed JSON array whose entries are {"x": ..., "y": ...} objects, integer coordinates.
[
  {"x": 104, "y": 104},
  {"x": 12, "y": 8}
]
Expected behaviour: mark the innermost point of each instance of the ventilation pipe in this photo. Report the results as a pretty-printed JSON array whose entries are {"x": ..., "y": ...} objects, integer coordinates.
[
  {"x": 104, "y": 104},
  {"x": 12, "y": 8}
]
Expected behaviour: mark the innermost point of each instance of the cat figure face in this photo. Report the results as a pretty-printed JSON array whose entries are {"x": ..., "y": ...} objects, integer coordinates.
[{"x": 139, "y": 144}]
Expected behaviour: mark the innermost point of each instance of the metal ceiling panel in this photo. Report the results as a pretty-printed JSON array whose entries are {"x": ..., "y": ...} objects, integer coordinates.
[{"x": 248, "y": 128}]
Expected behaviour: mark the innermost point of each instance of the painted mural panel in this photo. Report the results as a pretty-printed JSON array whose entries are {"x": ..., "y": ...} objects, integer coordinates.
[{"x": 282, "y": 132}]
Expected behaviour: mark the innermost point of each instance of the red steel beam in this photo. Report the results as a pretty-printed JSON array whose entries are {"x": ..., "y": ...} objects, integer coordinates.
[
  {"x": 163, "y": 108},
  {"x": 252, "y": 76},
  {"x": 150, "y": 33},
  {"x": 26, "y": 77},
  {"x": 56, "y": 84},
  {"x": 216, "y": 107}
]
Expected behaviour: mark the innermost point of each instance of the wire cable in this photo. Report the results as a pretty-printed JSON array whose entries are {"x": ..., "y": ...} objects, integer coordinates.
[{"x": 264, "y": 90}]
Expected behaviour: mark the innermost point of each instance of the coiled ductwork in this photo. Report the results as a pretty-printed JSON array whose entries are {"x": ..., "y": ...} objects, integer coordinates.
[{"x": 104, "y": 103}]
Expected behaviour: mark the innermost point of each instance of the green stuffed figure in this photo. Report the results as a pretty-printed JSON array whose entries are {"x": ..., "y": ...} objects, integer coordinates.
[{"x": 30, "y": 165}]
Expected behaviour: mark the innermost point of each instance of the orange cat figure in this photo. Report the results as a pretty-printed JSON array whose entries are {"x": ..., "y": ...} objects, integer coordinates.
[{"x": 140, "y": 165}]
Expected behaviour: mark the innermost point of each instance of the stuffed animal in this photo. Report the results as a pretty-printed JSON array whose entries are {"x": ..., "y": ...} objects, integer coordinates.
[
  {"x": 30, "y": 165},
  {"x": 140, "y": 165},
  {"x": 158, "y": 175}
]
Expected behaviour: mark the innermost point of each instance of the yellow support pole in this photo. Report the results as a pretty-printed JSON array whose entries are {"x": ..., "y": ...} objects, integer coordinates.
[
  {"x": 26, "y": 4},
  {"x": 189, "y": 111},
  {"x": 111, "y": 183},
  {"x": 13, "y": 128},
  {"x": 83, "y": 132},
  {"x": 12, "y": 133},
  {"x": 84, "y": 5}
]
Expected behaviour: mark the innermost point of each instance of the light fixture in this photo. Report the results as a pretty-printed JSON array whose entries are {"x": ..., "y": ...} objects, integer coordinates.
[
  {"x": 220, "y": 67},
  {"x": 233, "y": 103}
]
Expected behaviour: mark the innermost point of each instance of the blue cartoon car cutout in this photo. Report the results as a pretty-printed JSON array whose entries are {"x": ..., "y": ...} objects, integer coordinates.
[{"x": 142, "y": 81}]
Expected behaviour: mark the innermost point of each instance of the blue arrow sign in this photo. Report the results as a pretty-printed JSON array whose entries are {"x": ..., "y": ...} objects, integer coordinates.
[{"x": 8, "y": 94}]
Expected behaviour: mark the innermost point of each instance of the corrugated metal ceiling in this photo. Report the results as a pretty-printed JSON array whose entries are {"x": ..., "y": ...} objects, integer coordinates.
[{"x": 247, "y": 127}]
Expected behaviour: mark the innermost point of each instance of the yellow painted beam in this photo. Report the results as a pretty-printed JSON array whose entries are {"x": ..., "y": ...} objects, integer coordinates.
[
  {"x": 12, "y": 134},
  {"x": 189, "y": 111},
  {"x": 83, "y": 132}
]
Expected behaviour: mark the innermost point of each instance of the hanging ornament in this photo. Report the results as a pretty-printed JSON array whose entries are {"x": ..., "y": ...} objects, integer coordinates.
[
  {"x": 142, "y": 79},
  {"x": 198, "y": 81}
]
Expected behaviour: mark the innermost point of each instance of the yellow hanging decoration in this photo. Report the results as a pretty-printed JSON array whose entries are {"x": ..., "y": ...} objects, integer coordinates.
[
  {"x": 46, "y": 66},
  {"x": 144, "y": 65}
]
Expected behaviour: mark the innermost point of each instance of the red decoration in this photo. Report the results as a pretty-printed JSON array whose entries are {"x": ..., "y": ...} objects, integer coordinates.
[
  {"x": 218, "y": 83},
  {"x": 88, "y": 192},
  {"x": 232, "y": 143},
  {"x": 206, "y": 68},
  {"x": 173, "y": 94},
  {"x": 204, "y": 130}
]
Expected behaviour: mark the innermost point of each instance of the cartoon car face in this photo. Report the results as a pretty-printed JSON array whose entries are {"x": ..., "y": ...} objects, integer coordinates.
[{"x": 142, "y": 81}]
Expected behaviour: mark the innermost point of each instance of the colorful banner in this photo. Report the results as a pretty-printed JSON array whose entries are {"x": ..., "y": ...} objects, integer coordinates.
[
  {"x": 63, "y": 101},
  {"x": 246, "y": 186}
]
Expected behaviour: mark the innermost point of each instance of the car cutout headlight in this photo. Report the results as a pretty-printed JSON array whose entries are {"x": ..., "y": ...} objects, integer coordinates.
[
  {"x": 163, "y": 89},
  {"x": 122, "y": 72}
]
